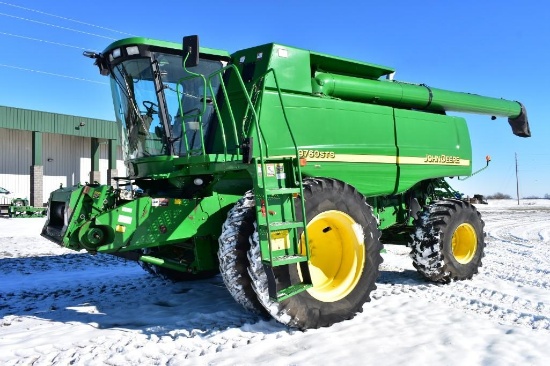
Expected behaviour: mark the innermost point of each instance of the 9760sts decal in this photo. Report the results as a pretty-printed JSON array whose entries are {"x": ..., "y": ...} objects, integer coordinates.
[{"x": 316, "y": 154}]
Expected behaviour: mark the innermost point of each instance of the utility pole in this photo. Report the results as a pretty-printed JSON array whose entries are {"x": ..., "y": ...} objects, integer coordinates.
[{"x": 517, "y": 179}]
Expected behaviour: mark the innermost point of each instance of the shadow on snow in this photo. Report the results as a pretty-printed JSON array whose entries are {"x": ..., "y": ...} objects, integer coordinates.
[{"x": 119, "y": 294}]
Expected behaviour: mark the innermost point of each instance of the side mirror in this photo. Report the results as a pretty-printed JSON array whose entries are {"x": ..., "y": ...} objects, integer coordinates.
[
  {"x": 100, "y": 62},
  {"x": 191, "y": 47}
]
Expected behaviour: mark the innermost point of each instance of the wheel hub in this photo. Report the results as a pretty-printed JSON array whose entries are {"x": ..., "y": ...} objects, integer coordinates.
[
  {"x": 464, "y": 243},
  {"x": 337, "y": 255}
]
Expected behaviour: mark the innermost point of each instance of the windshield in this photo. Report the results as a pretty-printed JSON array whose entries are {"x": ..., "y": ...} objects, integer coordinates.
[{"x": 149, "y": 117}]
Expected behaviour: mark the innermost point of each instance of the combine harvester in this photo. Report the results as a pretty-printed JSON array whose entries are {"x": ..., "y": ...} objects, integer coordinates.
[{"x": 282, "y": 168}]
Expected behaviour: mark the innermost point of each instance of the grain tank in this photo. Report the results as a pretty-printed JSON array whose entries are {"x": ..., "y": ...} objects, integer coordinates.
[{"x": 284, "y": 170}]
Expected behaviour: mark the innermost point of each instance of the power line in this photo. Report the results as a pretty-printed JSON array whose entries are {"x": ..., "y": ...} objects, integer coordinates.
[
  {"x": 43, "y": 40},
  {"x": 64, "y": 18},
  {"x": 56, "y": 26},
  {"x": 52, "y": 74},
  {"x": 535, "y": 154}
]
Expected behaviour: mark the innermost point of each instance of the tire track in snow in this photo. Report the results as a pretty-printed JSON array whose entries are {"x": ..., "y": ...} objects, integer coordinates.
[
  {"x": 518, "y": 249},
  {"x": 491, "y": 304},
  {"x": 136, "y": 349}
]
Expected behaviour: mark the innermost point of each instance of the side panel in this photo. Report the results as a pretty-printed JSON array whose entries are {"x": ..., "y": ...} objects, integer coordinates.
[
  {"x": 431, "y": 146},
  {"x": 363, "y": 146},
  {"x": 149, "y": 222},
  {"x": 353, "y": 142}
]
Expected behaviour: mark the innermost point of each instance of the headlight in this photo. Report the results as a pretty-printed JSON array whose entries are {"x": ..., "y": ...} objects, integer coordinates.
[
  {"x": 133, "y": 50},
  {"x": 116, "y": 53}
]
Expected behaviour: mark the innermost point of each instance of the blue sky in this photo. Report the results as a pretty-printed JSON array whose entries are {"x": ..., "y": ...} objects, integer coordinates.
[{"x": 491, "y": 47}]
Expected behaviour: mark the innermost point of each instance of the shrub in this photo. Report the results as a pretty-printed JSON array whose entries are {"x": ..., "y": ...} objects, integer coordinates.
[{"x": 499, "y": 196}]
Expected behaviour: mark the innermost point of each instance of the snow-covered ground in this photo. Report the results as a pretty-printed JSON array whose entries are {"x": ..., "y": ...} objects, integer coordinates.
[{"x": 58, "y": 307}]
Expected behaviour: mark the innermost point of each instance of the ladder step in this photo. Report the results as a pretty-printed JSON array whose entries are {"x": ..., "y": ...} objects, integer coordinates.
[
  {"x": 291, "y": 291},
  {"x": 283, "y": 260},
  {"x": 282, "y": 225},
  {"x": 274, "y": 191}
]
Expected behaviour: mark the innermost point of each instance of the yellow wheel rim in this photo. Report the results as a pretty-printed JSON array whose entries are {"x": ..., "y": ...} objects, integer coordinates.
[
  {"x": 337, "y": 255},
  {"x": 464, "y": 243}
]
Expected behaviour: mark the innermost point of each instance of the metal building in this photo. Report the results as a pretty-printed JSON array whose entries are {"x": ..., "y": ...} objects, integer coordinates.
[{"x": 39, "y": 151}]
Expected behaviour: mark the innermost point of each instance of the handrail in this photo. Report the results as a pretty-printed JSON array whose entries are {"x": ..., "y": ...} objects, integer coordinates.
[
  {"x": 249, "y": 107},
  {"x": 217, "y": 110},
  {"x": 260, "y": 132},
  {"x": 228, "y": 103},
  {"x": 199, "y": 116}
]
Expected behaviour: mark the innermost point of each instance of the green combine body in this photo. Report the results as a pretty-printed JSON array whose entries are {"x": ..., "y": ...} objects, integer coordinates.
[{"x": 282, "y": 168}]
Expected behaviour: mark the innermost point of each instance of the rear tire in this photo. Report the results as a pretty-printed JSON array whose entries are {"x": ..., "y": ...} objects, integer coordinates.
[
  {"x": 448, "y": 243},
  {"x": 344, "y": 264}
]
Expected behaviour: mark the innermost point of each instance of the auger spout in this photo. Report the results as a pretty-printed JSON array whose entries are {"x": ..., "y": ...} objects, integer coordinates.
[{"x": 421, "y": 97}]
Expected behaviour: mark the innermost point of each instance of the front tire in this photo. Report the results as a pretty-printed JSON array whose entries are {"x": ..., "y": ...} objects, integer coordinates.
[
  {"x": 448, "y": 243},
  {"x": 345, "y": 256},
  {"x": 234, "y": 243}
]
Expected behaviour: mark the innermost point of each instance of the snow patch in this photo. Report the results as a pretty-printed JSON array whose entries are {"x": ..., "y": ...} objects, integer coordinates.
[
  {"x": 359, "y": 233},
  {"x": 58, "y": 307}
]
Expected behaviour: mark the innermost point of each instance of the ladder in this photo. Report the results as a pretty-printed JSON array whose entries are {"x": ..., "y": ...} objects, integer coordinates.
[{"x": 278, "y": 193}]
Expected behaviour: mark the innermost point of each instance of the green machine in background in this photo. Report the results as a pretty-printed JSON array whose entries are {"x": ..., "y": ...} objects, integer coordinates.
[
  {"x": 15, "y": 205},
  {"x": 282, "y": 168}
]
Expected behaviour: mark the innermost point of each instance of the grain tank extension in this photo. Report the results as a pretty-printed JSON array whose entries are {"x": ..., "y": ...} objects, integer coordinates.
[{"x": 284, "y": 170}]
